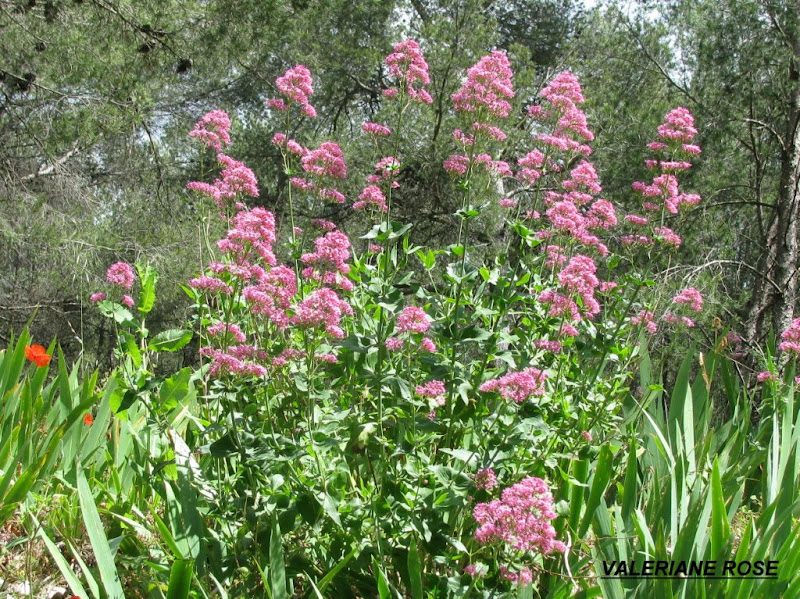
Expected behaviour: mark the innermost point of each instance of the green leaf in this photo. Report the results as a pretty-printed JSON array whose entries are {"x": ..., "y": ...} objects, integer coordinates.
[
  {"x": 97, "y": 538},
  {"x": 170, "y": 340},
  {"x": 720, "y": 529},
  {"x": 180, "y": 579},
  {"x": 147, "y": 297},
  {"x": 328, "y": 578},
  {"x": 176, "y": 390},
  {"x": 414, "y": 571},
  {"x": 602, "y": 474},
  {"x": 380, "y": 578},
  {"x": 119, "y": 313},
  {"x": 63, "y": 565},
  {"x": 277, "y": 571}
]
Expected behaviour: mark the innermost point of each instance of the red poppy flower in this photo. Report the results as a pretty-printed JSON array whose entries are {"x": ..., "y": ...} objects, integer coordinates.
[
  {"x": 88, "y": 419},
  {"x": 37, "y": 354}
]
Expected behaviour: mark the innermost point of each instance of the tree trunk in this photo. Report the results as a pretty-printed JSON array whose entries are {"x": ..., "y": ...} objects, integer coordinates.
[{"x": 776, "y": 292}]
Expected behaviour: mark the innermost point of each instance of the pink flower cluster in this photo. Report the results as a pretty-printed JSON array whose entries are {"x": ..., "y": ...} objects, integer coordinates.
[
  {"x": 376, "y": 129},
  {"x": 663, "y": 193},
  {"x": 691, "y": 297},
  {"x": 790, "y": 338},
  {"x": 434, "y": 390},
  {"x": 485, "y": 479},
  {"x": 408, "y": 68},
  {"x": 271, "y": 295},
  {"x": 520, "y": 521},
  {"x": 324, "y": 165},
  {"x": 647, "y": 318},
  {"x": 413, "y": 320},
  {"x": 213, "y": 129},
  {"x": 328, "y": 262},
  {"x": 241, "y": 360},
  {"x": 518, "y": 386},
  {"x": 323, "y": 309},
  {"x": 236, "y": 179},
  {"x": 488, "y": 86},
  {"x": 296, "y": 85},
  {"x": 560, "y": 106},
  {"x": 121, "y": 274}
]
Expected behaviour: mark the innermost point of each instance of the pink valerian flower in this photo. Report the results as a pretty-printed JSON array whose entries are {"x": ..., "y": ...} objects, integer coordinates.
[
  {"x": 567, "y": 330},
  {"x": 508, "y": 203},
  {"x": 521, "y": 578},
  {"x": 602, "y": 215},
  {"x": 210, "y": 284},
  {"x": 329, "y": 358},
  {"x": 667, "y": 236},
  {"x": 376, "y": 129},
  {"x": 561, "y": 98},
  {"x": 296, "y": 85},
  {"x": 236, "y": 179},
  {"x": 457, "y": 164},
  {"x": 477, "y": 570},
  {"x": 121, "y": 274},
  {"x": 531, "y": 167},
  {"x": 485, "y": 479},
  {"x": 325, "y": 161},
  {"x": 434, "y": 390},
  {"x": 331, "y": 195},
  {"x": 464, "y": 138},
  {"x": 518, "y": 386},
  {"x": 587, "y": 436},
  {"x": 678, "y": 125},
  {"x": 408, "y": 68},
  {"x": 635, "y": 219},
  {"x": 221, "y": 329},
  {"x": 668, "y": 165},
  {"x": 323, "y": 225},
  {"x": 561, "y": 306},
  {"x": 546, "y": 345},
  {"x": 302, "y": 184},
  {"x": 127, "y": 300},
  {"x": 427, "y": 345},
  {"x": 497, "y": 168},
  {"x": 520, "y": 520},
  {"x": 97, "y": 297},
  {"x": 371, "y": 197},
  {"x": 394, "y": 343},
  {"x": 234, "y": 361},
  {"x": 322, "y": 309},
  {"x": 579, "y": 278},
  {"x": 583, "y": 177},
  {"x": 647, "y": 318},
  {"x": 643, "y": 240},
  {"x": 213, "y": 129},
  {"x": 286, "y": 356},
  {"x": 385, "y": 170},
  {"x": 328, "y": 262},
  {"x": 766, "y": 376},
  {"x": 690, "y": 296},
  {"x": 680, "y": 320},
  {"x": 790, "y": 338},
  {"x": 413, "y": 320},
  {"x": 251, "y": 237},
  {"x": 488, "y": 86},
  {"x": 494, "y": 132},
  {"x": 375, "y": 248},
  {"x": 272, "y": 295}
]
